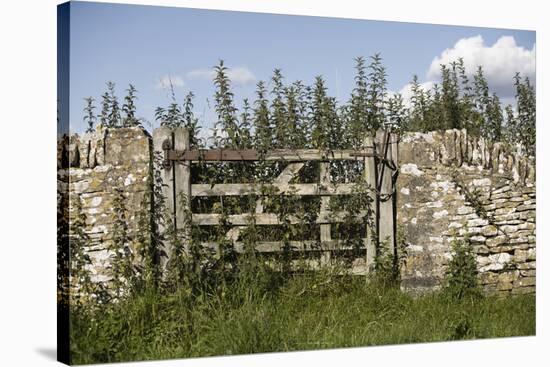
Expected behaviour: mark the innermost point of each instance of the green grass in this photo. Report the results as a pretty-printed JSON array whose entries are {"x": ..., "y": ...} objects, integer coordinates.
[{"x": 307, "y": 312}]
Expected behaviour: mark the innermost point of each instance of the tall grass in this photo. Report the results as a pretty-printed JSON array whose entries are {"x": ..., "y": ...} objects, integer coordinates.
[{"x": 267, "y": 314}]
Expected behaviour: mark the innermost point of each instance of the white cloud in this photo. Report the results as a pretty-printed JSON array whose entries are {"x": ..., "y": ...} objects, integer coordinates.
[
  {"x": 201, "y": 74},
  {"x": 500, "y": 61},
  {"x": 240, "y": 75},
  {"x": 406, "y": 91},
  {"x": 165, "y": 81}
]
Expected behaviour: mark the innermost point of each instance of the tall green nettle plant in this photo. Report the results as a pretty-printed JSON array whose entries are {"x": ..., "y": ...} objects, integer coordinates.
[
  {"x": 235, "y": 137},
  {"x": 320, "y": 115},
  {"x": 129, "y": 108},
  {"x": 295, "y": 111},
  {"x": 122, "y": 256},
  {"x": 495, "y": 118},
  {"x": 397, "y": 114},
  {"x": 418, "y": 114},
  {"x": 89, "y": 116},
  {"x": 461, "y": 275},
  {"x": 151, "y": 219},
  {"x": 175, "y": 266},
  {"x": 466, "y": 94},
  {"x": 245, "y": 125},
  {"x": 82, "y": 287},
  {"x": 190, "y": 122},
  {"x": 523, "y": 127},
  {"x": 450, "y": 96},
  {"x": 437, "y": 110},
  {"x": 376, "y": 94},
  {"x": 278, "y": 114},
  {"x": 357, "y": 112},
  {"x": 105, "y": 110},
  {"x": 262, "y": 137},
  {"x": 114, "y": 112},
  {"x": 482, "y": 102},
  {"x": 225, "y": 109},
  {"x": 171, "y": 116}
]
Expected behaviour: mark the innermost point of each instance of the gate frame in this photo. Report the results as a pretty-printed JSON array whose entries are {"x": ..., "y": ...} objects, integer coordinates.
[{"x": 379, "y": 154}]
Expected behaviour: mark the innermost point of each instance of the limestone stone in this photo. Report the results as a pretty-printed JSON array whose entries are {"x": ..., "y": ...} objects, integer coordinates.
[
  {"x": 478, "y": 239},
  {"x": 524, "y": 207},
  {"x": 489, "y": 231},
  {"x": 528, "y": 273},
  {"x": 525, "y": 282},
  {"x": 440, "y": 214},
  {"x": 524, "y": 255},
  {"x": 478, "y": 222},
  {"x": 411, "y": 169},
  {"x": 465, "y": 210},
  {"x": 527, "y": 265},
  {"x": 502, "y": 190},
  {"x": 480, "y": 249}
]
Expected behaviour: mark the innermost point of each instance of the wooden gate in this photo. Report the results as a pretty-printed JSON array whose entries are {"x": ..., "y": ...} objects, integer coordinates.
[{"x": 379, "y": 155}]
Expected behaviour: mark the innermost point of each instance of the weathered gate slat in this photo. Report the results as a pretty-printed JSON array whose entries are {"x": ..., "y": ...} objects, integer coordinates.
[
  {"x": 370, "y": 174},
  {"x": 161, "y": 138},
  {"x": 277, "y": 246},
  {"x": 182, "y": 177},
  {"x": 289, "y": 155},
  {"x": 324, "y": 181},
  {"x": 290, "y": 189},
  {"x": 176, "y": 178},
  {"x": 266, "y": 218},
  {"x": 386, "y": 224},
  {"x": 288, "y": 173}
]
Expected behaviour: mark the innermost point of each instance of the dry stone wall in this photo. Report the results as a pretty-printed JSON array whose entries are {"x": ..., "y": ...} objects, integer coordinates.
[
  {"x": 452, "y": 186},
  {"x": 94, "y": 165},
  {"x": 449, "y": 186}
]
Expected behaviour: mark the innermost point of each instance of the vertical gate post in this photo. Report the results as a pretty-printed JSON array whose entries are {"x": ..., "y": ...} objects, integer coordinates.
[
  {"x": 370, "y": 175},
  {"x": 395, "y": 171},
  {"x": 387, "y": 229},
  {"x": 175, "y": 177},
  {"x": 182, "y": 177},
  {"x": 324, "y": 180},
  {"x": 162, "y": 138}
]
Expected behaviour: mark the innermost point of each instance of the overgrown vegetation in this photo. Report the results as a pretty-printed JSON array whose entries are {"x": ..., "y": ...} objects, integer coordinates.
[
  {"x": 295, "y": 115},
  {"x": 211, "y": 300},
  {"x": 462, "y": 271},
  {"x": 313, "y": 311}
]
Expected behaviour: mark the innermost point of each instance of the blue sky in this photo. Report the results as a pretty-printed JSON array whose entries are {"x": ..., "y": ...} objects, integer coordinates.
[{"x": 143, "y": 45}]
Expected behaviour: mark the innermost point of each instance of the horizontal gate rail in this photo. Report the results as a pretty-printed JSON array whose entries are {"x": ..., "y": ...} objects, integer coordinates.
[
  {"x": 278, "y": 246},
  {"x": 288, "y": 189},
  {"x": 289, "y": 155},
  {"x": 210, "y": 219}
]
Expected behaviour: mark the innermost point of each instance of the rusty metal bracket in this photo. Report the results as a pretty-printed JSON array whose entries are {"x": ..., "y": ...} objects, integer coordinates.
[{"x": 166, "y": 148}]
